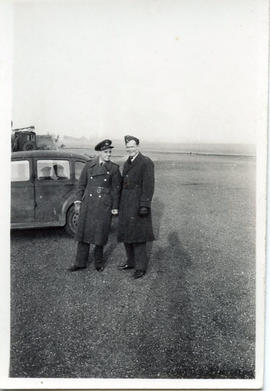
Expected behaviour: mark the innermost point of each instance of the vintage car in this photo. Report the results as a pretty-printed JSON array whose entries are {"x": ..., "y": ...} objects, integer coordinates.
[{"x": 43, "y": 185}]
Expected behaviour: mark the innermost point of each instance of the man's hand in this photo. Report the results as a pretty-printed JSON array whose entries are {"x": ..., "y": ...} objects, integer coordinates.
[
  {"x": 143, "y": 211},
  {"x": 115, "y": 212},
  {"x": 77, "y": 206}
]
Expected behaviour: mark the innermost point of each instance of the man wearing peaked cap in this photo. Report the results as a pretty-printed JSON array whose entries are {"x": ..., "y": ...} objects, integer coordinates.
[
  {"x": 97, "y": 200},
  {"x": 135, "y": 220}
]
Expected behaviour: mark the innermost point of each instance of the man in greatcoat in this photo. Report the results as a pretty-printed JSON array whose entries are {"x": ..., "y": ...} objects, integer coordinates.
[
  {"x": 97, "y": 200},
  {"x": 135, "y": 221}
]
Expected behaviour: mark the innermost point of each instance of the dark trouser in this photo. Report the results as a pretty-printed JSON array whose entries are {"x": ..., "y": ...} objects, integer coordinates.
[
  {"x": 136, "y": 255},
  {"x": 83, "y": 254}
]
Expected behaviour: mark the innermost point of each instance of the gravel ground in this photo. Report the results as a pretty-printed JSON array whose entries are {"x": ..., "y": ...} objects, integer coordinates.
[{"x": 191, "y": 316}]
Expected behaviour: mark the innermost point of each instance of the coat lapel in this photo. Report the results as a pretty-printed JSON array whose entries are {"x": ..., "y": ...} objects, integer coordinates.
[
  {"x": 96, "y": 169},
  {"x": 128, "y": 166},
  {"x": 107, "y": 166}
]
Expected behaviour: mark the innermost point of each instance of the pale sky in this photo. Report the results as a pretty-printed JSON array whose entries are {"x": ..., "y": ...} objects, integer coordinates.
[{"x": 163, "y": 70}]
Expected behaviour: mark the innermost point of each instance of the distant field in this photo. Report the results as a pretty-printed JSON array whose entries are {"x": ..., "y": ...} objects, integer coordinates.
[{"x": 166, "y": 149}]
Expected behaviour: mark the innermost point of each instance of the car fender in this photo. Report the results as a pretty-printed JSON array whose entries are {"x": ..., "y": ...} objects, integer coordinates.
[{"x": 66, "y": 205}]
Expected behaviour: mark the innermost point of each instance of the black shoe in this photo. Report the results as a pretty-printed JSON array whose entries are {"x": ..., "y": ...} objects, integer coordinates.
[
  {"x": 126, "y": 266},
  {"x": 100, "y": 268},
  {"x": 139, "y": 274},
  {"x": 74, "y": 268}
]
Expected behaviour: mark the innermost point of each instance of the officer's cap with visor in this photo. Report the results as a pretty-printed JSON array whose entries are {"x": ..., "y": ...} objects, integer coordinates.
[
  {"x": 103, "y": 145},
  {"x": 128, "y": 138}
]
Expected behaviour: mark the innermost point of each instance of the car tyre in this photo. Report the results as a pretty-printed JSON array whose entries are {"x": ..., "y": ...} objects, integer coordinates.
[
  {"x": 71, "y": 221},
  {"x": 29, "y": 146}
]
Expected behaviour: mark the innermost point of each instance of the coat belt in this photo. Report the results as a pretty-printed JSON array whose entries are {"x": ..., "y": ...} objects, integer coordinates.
[{"x": 100, "y": 189}]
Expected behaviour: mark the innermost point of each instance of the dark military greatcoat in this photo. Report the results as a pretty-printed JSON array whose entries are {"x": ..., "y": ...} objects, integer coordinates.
[
  {"x": 99, "y": 190},
  {"x": 137, "y": 191}
]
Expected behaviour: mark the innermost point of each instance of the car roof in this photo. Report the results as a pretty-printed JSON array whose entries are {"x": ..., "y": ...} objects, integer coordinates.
[{"x": 53, "y": 154}]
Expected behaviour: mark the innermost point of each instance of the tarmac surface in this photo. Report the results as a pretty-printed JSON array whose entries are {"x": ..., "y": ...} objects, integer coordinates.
[{"x": 191, "y": 316}]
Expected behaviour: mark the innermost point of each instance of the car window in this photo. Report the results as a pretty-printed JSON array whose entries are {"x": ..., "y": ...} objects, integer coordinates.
[
  {"x": 20, "y": 171},
  {"x": 78, "y": 169},
  {"x": 53, "y": 170}
]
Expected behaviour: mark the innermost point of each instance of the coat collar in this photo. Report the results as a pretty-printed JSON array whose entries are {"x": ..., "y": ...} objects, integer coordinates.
[
  {"x": 100, "y": 170},
  {"x": 128, "y": 166}
]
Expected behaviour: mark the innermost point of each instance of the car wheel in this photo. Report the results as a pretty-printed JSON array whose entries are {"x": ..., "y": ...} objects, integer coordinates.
[
  {"x": 72, "y": 221},
  {"x": 28, "y": 146}
]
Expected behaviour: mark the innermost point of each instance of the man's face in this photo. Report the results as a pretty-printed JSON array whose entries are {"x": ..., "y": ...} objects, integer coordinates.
[
  {"x": 106, "y": 155},
  {"x": 132, "y": 148}
]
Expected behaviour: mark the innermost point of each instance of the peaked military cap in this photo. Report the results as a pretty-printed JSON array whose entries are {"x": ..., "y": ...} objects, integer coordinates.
[
  {"x": 105, "y": 144},
  {"x": 129, "y": 138}
]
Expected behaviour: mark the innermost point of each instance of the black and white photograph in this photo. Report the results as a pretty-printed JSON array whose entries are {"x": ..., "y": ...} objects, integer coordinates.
[{"x": 133, "y": 218}]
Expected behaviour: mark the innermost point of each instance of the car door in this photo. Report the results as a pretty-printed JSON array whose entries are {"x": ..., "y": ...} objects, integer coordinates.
[
  {"x": 22, "y": 193},
  {"x": 53, "y": 185}
]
